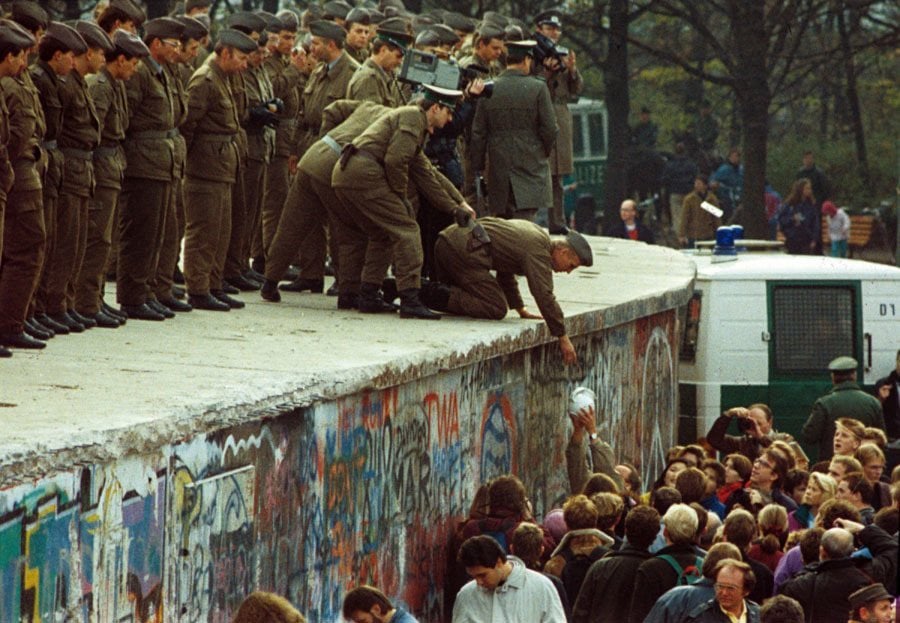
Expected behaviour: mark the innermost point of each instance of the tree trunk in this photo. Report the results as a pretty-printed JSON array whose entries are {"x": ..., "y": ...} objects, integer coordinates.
[
  {"x": 615, "y": 80},
  {"x": 852, "y": 95},
  {"x": 752, "y": 92}
]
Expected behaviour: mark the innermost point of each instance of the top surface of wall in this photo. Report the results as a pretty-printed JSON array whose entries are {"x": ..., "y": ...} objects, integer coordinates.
[{"x": 103, "y": 394}]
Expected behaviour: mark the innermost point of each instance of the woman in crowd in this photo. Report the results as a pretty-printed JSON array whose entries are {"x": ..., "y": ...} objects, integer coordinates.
[
  {"x": 799, "y": 220},
  {"x": 819, "y": 489},
  {"x": 666, "y": 478},
  {"x": 772, "y": 524},
  {"x": 737, "y": 473},
  {"x": 872, "y": 459}
]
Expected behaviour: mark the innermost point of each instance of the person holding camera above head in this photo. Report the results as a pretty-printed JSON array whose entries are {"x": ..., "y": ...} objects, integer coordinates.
[
  {"x": 565, "y": 84},
  {"x": 755, "y": 424}
]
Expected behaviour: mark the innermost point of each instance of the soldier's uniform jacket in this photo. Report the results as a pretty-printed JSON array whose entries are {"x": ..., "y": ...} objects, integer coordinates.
[
  {"x": 238, "y": 84},
  {"x": 564, "y": 90},
  {"x": 473, "y": 59},
  {"x": 7, "y": 177},
  {"x": 342, "y": 121},
  {"x": 79, "y": 137},
  {"x": 517, "y": 247},
  {"x": 261, "y": 140},
  {"x": 287, "y": 83},
  {"x": 26, "y": 131},
  {"x": 515, "y": 130},
  {"x": 370, "y": 82},
  {"x": 150, "y": 144},
  {"x": 111, "y": 105},
  {"x": 359, "y": 55},
  {"x": 393, "y": 146},
  {"x": 211, "y": 127},
  {"x": 48, "y": 85},
  {"x": 178, "y": 80},
  {"x": 323, "y": 87}
]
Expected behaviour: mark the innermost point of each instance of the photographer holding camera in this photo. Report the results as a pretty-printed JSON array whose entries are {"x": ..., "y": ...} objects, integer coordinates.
[
  {"x": 566, "y": 84},
  {"x": 755, "y": 424}
]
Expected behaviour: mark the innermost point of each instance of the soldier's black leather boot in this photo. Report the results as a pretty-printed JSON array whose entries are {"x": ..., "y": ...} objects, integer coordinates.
[
  {"x": 371, "y": 301},
  {"x": 412, "y": 307},
  {"x": 269, "y": 291}
]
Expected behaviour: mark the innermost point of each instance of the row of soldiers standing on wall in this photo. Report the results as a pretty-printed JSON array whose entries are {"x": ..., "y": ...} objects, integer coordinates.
[{"x": 141, "y": 141}]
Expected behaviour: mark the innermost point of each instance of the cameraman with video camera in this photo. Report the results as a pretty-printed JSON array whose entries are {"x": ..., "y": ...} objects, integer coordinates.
[
  {"x": 558, "y": 66},
  {"x": 755, "y": 424}
]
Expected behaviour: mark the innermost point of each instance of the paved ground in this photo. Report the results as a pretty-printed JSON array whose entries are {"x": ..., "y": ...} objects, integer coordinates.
[{"x": 105, "y": 391}]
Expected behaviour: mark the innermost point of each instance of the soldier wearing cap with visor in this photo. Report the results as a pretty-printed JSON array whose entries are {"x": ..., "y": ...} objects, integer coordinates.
[
  {"x": 515, "y": 130},
  {"x": 21, "y": 231},
  {"x": 466, "y": 255},
  {"x": 327, "y": 83},
  {"x": 79, "y": 136},
  {"x": 375, "y": 80},
  {"x": 211, "y": 131},
  {"x": 359, "y": 26},
  {"x": 150, "y": 172},
  {"x": 372, "y": 179},
  {"x": 844, "y": 400},
  {"x": 107, "y": 89}
]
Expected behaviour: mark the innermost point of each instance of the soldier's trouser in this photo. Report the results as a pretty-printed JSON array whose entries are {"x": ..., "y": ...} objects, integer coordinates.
[
  {"x": 170, "y": 245},
  {"x": 65, "y": 261},
  {"x": 24, "y": 241},
  {"x": 233, "y": 259},
  {"x": 277, "y": 188},
  {"x": 142, "y": 214},
  {"x": 207, "y": 232},
  {"x": 474, "y": 290},
  {"x": 298, "y": 217},
  {"x": 254, "y": 191},
  {"x": 89, "y": 284},
  {"x": 556, "y": 216},
  {"x": 395, "y": 222},
  {"x": 355, "y": 239},
  {"x": 39, "y": 301}
]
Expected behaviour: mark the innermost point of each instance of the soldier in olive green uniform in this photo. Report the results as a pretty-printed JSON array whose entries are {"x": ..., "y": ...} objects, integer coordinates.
[
  {"x": 286, "y": 72},
  {"x": 466, "y": 256},
  {"x": 56, "y": 61},
  {"x": 211, "y": 131},
  {"x": 150, "y": 154},
  {"x": 844, "y": 399},
  {"x": 107, "y": 89},
  {"x": 375, "y": 80},
  {"x": 79, "y": 136},
  {"x": 372, "y": 178},
  {"x": 21, "y": 234},
  {"x": 342, "y": 121},
  {"x": 565, "y": 84},
  {"x": 327, "y": 83},
  {"x": 358, "y": 24},
  {"x": 515, "y": 131}
]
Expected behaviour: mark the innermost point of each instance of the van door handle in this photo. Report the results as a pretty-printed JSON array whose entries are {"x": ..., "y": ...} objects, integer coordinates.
[{"x": 868, "y": 338}]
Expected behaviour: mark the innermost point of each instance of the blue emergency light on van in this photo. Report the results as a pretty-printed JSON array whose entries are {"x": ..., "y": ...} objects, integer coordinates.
[{"x": 725, "y": 241}]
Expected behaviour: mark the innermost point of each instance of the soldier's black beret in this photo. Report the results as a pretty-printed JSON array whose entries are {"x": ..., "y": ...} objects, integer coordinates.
[
  {"x": 393, "y": 4},
  {"x": 273, "y": 24},
  {"x": 125, "y": 8},
  {"x": 129, "y": 44},
  {"x": 246, "y": 22},
  {"x": 67, "y": 37},
  {"x": 376, "y": 16},
  {"x": 512, "y": 32},
  {"x": 196, "y": 4},
  {"x": 581, "y": 247},
  {"x": 358, "y": 15},
  {"x": 495, "y": 19},
  {"x": 395, "y": 24},
  {"x": 490, "y": 31},
  {"x": 446, "y": 34},
  {"x": 193, "y": 28},
  {"x": 327, "y": 30},
  {"x": 163, "y": 28},
  {"x": 30, "y": 15},
  {"x": 289, "y": 20},
  {"x": 336, "y": 9},
  {"x": 94, "y": 36},
  {"x": 14, "y": 35},
  {"x": 428, "y": 38},
  {"x": 458, "y": 21},
  {"x": 232, "y": 38}
]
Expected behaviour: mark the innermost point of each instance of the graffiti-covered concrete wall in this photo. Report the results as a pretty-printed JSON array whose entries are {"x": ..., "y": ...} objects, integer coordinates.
[{"x": 313, "y": 499}]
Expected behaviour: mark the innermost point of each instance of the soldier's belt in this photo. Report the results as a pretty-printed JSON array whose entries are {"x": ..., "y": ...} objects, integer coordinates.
[
  {"x": 216, "y": 138},
  {"x": 106, "y": 152},
  {"x": 78, "y": 154},
  {"x": 147, "y": 135},
  {"x": 48, "y": 145},
  {"x": 333, "y": 144}
]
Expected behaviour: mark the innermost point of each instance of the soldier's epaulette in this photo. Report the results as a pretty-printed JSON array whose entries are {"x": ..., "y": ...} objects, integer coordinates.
[{"x": 38, "y": 70}]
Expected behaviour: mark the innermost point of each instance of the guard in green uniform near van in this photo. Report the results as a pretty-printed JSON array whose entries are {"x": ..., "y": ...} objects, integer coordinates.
[{"x": 844, "y": 399}]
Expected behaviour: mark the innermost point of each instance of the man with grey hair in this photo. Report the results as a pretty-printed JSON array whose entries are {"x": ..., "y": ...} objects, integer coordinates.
[
  {"x": 734, "y": 581},
  {"x": 670, "y": 565},
  {"x": 824, "y": 587}
]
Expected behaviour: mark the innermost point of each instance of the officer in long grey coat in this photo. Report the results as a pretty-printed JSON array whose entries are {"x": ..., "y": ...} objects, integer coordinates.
[{"x": 513, "y": 133}]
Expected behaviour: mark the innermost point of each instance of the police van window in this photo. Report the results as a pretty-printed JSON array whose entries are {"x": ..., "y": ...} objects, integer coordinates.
[
  {"x": 578, "y": 135},
  {"x": 597, "y": 130},
  {"x": 811, "y": 326}
]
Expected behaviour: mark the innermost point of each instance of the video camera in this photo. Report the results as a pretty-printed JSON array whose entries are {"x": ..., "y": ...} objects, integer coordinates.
[
  {"x": 423, "y": 68},
  {"x": 547, "y": 49}
]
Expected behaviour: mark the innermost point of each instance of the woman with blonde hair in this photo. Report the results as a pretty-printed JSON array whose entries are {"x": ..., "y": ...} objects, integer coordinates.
[
  {"x": 819, "y": 489},
  {"x": 872, "y": 459}
]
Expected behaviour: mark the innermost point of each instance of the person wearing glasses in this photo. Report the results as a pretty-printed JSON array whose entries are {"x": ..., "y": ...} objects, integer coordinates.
[{"x": 734, "y": 581}]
